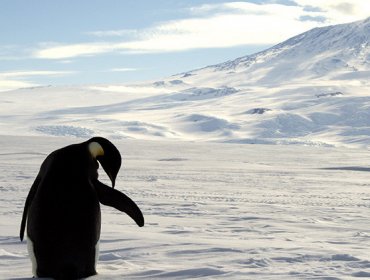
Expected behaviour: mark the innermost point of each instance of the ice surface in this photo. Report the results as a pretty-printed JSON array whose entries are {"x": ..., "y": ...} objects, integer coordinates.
[{"x": 213, "y": 211}]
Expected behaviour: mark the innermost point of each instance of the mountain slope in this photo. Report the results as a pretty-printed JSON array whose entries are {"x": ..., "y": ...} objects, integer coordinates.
[
  {"x": 321, "y": 52},
  {"x": 311, "y": 89}
]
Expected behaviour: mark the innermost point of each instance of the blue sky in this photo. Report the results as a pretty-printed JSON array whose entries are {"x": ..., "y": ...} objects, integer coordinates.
[{"x": 49, "y": 42}]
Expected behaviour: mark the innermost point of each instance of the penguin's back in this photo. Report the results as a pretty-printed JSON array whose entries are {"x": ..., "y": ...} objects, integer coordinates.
[{"x": 63, "y": 222}]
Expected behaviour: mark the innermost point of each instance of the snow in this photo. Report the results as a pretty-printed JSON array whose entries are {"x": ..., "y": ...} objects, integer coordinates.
[
  {"x": 213, "y": 211},
  {"x": 311, "y": 113},
  {"x": 320, "y": 112},
  {"x": 298, "y": 209}
]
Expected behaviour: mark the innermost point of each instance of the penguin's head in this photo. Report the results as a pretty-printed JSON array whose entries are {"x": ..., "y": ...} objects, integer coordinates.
[{"x": 107, "y": 154}]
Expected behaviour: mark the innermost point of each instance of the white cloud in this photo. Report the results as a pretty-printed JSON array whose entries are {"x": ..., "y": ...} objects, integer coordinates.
[
  {"x": 217, "y": 26},
  {"x": 123, "y": 69},
  {"x": 339, "y": 11},
  {"x": 17, "y": 79},
  {"x": 6, "y": 85},
  {"x": 22, "y": 74},
  {"x": 114, "y": 33},
  {"x": 224, "y": 30},
  {"x": 74, "y": 50}
]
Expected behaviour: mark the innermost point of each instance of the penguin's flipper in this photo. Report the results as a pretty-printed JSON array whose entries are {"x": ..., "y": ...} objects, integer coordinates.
[
  {"x": 29, "y": 199},
  {"x": 111, "y": 197}
]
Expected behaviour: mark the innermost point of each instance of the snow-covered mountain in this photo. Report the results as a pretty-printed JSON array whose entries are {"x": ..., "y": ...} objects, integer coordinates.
[
  {"x": 334, "y": 52},
  {"x": 311, "y": 89}
]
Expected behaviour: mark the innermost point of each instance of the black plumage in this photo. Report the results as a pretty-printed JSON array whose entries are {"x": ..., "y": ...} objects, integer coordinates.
[{"x": 62, "y": 209}]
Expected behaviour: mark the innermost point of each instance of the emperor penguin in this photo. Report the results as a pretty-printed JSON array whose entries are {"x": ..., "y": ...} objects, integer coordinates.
[{"x": 62, "y": 209}]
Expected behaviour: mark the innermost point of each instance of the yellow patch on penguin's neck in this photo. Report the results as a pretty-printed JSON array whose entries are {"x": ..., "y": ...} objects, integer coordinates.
[{"x": 96, "y": 149}]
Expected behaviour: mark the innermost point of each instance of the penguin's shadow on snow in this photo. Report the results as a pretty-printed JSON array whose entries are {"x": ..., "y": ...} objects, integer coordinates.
[
  {"x": 35, "y": 278},
  {"x": 348, "y": 168},
  {"x": 30, "y": 278}
]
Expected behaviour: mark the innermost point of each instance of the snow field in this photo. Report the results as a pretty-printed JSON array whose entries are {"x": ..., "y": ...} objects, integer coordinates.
[
  {"x": 213, "y": 211},
  {"x": 311, "y": 113}
]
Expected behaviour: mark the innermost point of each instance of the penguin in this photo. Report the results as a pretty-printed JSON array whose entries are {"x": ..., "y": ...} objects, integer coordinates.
[{"x": 62, "y": 209}]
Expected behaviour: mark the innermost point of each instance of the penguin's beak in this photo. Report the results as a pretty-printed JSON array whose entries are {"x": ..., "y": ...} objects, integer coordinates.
[
  {"x": 110, "y": 167},
  {"x": 109, "y": 157}
]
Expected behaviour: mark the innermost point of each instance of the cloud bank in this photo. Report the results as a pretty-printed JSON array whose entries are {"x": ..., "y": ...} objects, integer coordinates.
[
  {"x": 217, "y": 26},
  {"x": 16, "y": 79}
]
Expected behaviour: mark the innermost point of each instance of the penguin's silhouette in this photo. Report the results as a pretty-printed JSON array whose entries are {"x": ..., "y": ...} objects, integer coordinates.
[{"x": 62, "y": 210}]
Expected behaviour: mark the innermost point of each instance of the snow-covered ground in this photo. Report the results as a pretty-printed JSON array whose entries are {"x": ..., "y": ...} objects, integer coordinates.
[
  {"x": 310, "y": 113},
  {"x": 213, "y": 211}
]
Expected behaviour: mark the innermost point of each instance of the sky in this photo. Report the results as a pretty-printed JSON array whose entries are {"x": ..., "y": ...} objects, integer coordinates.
[{"x": 49, "y": 42}]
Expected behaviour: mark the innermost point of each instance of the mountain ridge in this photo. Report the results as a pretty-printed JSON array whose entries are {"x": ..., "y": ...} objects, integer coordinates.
[{"x": 348, "y": 44}]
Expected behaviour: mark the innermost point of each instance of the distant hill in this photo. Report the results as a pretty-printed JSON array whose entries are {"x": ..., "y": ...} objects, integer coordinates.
[{"x": 312, "y": 89}]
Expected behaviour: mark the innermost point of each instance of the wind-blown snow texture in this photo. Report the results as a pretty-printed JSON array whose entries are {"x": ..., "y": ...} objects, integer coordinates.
[
  {"x": 213, "y": 211},
  {"x": 311, "y": 89}
]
